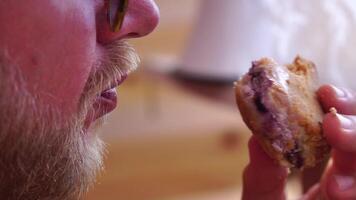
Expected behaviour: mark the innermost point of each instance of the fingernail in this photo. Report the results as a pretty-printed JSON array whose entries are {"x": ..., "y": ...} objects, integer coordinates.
[
  {"x": 344, "y": 182},
  {"x": 346, "y": 122},
  {"x": 342, "y": 92},
  {"x": 339, "y": 92}
]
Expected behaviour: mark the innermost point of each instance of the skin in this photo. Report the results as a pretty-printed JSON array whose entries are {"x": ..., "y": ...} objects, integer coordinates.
[
  {"x": 56, "y": 44},
  {"x": 263, "y": 179},
  {"x": 57, "y": 57}
]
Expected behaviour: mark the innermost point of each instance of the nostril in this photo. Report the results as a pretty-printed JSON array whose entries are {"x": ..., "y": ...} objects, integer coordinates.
[
  {"x": 141, "y": 18},
  {"x": 133, "y": 35}
]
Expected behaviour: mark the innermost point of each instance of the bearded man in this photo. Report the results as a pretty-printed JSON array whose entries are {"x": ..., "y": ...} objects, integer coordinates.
[{"x": 60, "y": 62}]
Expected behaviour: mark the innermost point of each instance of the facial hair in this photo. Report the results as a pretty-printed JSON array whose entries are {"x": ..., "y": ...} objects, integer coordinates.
[{"x": 43, "y": 155}]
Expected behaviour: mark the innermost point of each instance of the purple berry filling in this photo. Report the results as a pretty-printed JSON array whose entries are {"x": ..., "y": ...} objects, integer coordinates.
[{"x": 275, "y": 121}]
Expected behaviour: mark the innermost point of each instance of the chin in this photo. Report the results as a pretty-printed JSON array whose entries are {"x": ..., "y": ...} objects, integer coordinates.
[{"x": 46, "y": 156}]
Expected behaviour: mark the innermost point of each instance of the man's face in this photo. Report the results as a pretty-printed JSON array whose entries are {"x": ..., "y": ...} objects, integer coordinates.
[{"x": 59, "y": 63}]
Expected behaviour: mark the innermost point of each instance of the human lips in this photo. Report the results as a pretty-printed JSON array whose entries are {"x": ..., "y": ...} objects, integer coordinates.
[
  {"x": 106, "y": 101},
  {"x": 116, "y": 61}
]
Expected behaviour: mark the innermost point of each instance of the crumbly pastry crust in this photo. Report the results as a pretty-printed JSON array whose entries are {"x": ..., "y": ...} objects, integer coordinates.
[{"x": 278, "y": 103}]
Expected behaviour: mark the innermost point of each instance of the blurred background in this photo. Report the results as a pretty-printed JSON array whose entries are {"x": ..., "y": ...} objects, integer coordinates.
[{"x": 177, "y": 134}]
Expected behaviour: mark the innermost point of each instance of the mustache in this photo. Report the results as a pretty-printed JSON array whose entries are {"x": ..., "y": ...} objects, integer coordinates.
[{"x": 120, "y": 60}]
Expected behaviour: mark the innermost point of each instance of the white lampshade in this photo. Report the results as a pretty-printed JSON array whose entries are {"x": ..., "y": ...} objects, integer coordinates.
[
  {"x": 225, "y": 40},
  {"x": 229, "y": 34}
]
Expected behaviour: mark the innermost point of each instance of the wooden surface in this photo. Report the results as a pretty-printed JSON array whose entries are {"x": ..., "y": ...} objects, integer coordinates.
[
  {"x": 167, "y": 143},
  {"x": 164, "y": 141}
]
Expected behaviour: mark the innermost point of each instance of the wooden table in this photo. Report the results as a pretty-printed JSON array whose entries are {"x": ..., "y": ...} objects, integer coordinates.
[{"x": 167, "y": 142}]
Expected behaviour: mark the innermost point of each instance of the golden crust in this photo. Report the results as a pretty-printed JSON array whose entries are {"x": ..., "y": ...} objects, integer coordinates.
[{"x": 293, "y": 93}]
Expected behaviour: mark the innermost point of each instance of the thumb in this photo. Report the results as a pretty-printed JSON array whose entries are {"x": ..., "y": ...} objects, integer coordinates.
[
  {"x": 313, "y": 193},
  {"x": 263, "y": 178}
]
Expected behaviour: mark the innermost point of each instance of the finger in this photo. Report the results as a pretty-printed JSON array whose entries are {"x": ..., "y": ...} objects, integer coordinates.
[
  {"x": 340, "y": 131},
  {"x": 312, "y": 176},
  {"x": 338, "y": 185},
  {"x": 342, "y": 99},
  {"x": 343, "y": 161},
  {"x": 263, "y": 178},
  {"x": 313, "y": 193},
  {"x": 339, "y": 179}
]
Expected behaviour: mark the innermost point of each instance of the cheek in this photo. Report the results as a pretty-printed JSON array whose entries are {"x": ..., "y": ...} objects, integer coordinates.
[{"x": 55, "y": 53}]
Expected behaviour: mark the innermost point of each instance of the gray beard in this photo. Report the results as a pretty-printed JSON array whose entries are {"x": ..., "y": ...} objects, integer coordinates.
[{"x": 42, "y": 156}]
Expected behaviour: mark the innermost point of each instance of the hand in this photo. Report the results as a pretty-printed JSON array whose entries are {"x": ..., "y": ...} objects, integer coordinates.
[{"x": 263, "y": 179}]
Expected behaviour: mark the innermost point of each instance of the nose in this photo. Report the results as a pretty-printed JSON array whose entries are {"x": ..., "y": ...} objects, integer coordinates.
[{"x": 141, "y": 18}]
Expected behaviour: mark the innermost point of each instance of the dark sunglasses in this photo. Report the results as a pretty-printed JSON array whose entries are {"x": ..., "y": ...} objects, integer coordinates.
[{"x": 116, "y": 13}]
